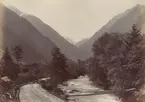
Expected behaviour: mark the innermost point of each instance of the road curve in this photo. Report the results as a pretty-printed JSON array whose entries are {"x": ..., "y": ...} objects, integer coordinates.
[{"x": 35, "y": 93}]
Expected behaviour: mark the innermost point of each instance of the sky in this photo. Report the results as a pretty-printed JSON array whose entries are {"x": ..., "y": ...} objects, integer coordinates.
[{"x": 74, "y": 19}]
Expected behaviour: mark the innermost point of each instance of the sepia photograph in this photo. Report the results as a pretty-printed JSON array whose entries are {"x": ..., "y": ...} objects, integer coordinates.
[{"x": 72, "y": 50}]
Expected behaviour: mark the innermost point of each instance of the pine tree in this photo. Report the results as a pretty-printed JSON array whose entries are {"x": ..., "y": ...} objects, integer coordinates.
[
  {"x": 6, "y": 61},
  {"x": 127, "y": 74},
  {"x": 9, "y": 68},
  {"x": 18, "y": 53},
  {"x": 59, "y": 65}
]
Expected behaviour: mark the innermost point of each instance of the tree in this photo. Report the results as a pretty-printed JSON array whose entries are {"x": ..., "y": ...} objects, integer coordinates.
[
  {"x": 59, "y": 65},
  {"x": 6, "y": 62},
  {"x": 127, "y": 74},
  {"x": 18, "y": 53},
  {"x": 102, "y": 51},
  {"x": 81, "y": 67},
  {"x": 121, "y": 57},
  {"x": 9, "y": 68}
]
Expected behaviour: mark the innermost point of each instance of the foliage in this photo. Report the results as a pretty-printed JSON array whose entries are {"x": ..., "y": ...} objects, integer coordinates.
[
  {"x": 81, "y": 67},
  {"x": 9, "y": 68},
  {"x": 119, "y": 61},
  {"x": 59, "y": 65},
  {"x": 18, "y": 53}
]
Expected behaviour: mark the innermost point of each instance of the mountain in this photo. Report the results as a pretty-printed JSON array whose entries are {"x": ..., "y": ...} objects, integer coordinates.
[
  {"x": 70, "y": 50},
  {"x": 15, "y": 30},
  {"x": 80, "y": 43},
  {"x": 120, "y": 23},
  {"x": 70, "y": 40}
]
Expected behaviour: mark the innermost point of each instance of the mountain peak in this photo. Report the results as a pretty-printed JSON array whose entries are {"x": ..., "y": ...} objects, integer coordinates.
[
  {"x": 12, "y": 8},
  {"x": 140, "y": 7},
  {"x": 70, "y": 40},
  {"x": 120, "y": 23}
]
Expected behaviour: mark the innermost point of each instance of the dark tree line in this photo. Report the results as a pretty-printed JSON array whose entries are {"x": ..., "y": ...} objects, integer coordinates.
[
  {"x": 58, "y": 69},
  {"x": 118, "y": 62}
]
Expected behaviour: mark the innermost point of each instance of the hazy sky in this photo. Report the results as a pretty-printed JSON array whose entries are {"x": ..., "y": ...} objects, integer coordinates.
[{"x": 76, "y": 19}]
